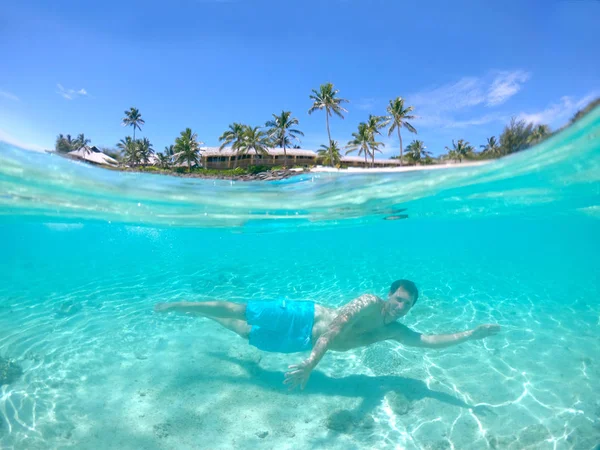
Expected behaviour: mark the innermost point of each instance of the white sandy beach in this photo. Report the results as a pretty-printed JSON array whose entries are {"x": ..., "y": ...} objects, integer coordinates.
[{"x": 399, "y": 169}]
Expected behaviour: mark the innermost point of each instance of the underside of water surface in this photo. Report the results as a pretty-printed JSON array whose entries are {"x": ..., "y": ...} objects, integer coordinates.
[{"x": 86, "y": 253}]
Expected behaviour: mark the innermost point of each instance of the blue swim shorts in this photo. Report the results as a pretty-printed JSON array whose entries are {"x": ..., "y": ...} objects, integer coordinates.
[{"x": 281, "y": 326}]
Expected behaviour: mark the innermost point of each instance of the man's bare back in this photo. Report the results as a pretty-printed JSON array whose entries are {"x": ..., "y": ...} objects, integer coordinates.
[{"x": 368, "y": 328}]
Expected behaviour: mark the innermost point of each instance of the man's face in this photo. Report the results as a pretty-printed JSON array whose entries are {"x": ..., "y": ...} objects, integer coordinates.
[{"x": 399, "y": 303}]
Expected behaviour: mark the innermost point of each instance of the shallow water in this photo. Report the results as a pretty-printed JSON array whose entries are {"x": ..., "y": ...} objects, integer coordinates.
[{"x": 87, "y": 252}]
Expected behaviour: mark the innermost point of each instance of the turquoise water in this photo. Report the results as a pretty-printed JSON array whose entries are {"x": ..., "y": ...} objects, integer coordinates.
[{"x": 87, "y": 252}]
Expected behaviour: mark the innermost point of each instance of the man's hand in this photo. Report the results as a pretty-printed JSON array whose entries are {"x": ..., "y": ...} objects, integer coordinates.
[
  {"x": 483, "y": 331},
  {"x": 298, "y": 374}
]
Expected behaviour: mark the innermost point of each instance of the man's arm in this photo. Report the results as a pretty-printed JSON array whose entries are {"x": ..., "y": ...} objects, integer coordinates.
[
  {"x": 405, "y": 335},
  {"x": 346, "y": 317}
]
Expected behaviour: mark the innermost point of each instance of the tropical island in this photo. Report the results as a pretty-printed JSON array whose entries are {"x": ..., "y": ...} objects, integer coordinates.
[{"x": 273, "y": 151}]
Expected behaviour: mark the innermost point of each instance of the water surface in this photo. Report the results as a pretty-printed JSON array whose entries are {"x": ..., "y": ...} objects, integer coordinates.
[{"x": 86, "y": 253}]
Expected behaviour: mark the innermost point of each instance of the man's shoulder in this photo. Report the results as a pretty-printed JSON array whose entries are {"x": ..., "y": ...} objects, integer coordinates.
[{"x": 368, "y": 299}]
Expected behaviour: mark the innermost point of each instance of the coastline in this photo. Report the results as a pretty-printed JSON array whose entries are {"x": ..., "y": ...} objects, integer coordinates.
[
  {"x": 324, "y": 169},
  {"x": 281, "y": 174}
]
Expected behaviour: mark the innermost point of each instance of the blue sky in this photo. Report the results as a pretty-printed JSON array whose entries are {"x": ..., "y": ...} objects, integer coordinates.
[{"x": 466, "y": 66}]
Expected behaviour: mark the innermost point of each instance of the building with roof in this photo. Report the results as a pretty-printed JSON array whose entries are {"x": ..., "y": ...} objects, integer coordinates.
[
  {"x": 359, "y": 161},
  {"x": 93, "y": 155},
  {"x": 213, "y": 158}
]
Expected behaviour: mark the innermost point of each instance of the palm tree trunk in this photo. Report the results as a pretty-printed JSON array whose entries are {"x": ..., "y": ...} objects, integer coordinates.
[
  {"x": 373, "y": 159},
  {"x": 366, "y": 162},
  {"x": 189, "y": 166},
  {"x": 284, "y": 155},
  {"x": 400, "y": 139},
  {"x": 329, "y": 135},
  {"x": 134, "y": 133}
]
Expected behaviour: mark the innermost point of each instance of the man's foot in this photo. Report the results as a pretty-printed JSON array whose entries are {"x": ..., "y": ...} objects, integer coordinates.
[{"x": 162, "y": 307}]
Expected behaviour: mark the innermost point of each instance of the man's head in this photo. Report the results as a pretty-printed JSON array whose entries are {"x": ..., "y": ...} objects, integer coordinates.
[{"x": 402, "y": 296}]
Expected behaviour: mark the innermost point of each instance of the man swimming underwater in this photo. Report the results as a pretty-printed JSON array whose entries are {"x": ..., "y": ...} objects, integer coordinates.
[{"x": 294, "y": 326}]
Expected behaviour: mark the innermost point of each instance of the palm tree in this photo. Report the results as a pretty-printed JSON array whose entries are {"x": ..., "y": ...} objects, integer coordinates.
[
  {"x": 539, "y": 133},
  {"x": 133, "y": 118},
  {"x": 145, "y": 150},
  {"x": 81, "y": 141},
  {"x": 232, "y": 136},
  {"x": 398, "y": 116},
  {"x": 491, "y": 147},
  {"x": 460, "y": 150},
  {"x": 326, "y": 98},
  {"x": 130, "y": 150},
  {"x": 253, "y": 139},
  {"x": 164, "y": 160},
  {"x": 515, "y": 136},
  {"x": 187, "y": 148},
  {"x": 416, "y": 151},
  {"x": 64, "y": 144},
  {"x": 374, "y": 124},
  {"x": 360, "y": 141},
  {"x": 281, "y": 131},
  {"x": 168, "y": 151},
  {"x": 330, "y": 154},
  {"x": 364, "y": 139}
]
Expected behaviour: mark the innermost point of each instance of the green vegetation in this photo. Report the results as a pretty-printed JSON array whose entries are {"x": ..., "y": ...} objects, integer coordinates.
[
  {"x": 330, "y": 154},
  {"x": 416, "y": 153},
  {"x": 232, "y": 136},
  {"x": 398, "y": 116},
  {"x": 360, "y": 142},
  {"x": 254, "y": 139},
  {"x": 187, "y": 148},
  {"x": 582, "y": 112},
  {"x": 133, "y": 118},
  {"x": 282, "y": 130},
  {"x": 220, "y": 173},
  {"x": 364, "y": 139},
  {"x": 491, "y": 148},
  {"x": 129, "y": 148},
  {"x": 515, "y": 136},
  {"x": 326, "y": 98},
  {"x": 460, "y": 150},
  {"x": 64, "y": 144},
  {"x": 538, "y": 134}
]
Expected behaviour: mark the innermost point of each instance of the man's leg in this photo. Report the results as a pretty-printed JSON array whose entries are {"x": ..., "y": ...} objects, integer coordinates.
[
  {"x": 212, "y": 310},
  {"x": 237, "y": 326}
]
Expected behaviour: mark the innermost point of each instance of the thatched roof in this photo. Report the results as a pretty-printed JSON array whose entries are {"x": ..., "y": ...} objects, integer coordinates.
[
  {"x": 94, "y": 155},
  {"x": 153, "y": 159},
  {"x": 228, "y": 151}
]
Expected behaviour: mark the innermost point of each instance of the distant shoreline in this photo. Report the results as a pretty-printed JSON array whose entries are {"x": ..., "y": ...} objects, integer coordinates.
[
  {"x": 324, "y": 169},
  {"x": 280, "y": 174}
]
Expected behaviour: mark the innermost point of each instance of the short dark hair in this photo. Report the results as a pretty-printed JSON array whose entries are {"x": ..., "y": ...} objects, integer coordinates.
[{"x": 408, "y": 286}]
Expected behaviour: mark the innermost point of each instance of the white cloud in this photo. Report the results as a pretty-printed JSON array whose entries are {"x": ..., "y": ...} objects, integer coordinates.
[
  {"x": 70, "y": 94},
  {"x": 465, "y": 92},
  {"x": 492, "y": 89},
  {"x": 365, "y": 104},
  {"x": 5, "y": 137},
  {"x": 488, "y": 118},
  {"x": 9, "y": 96},
  {"x": 439, "y": 106},
  {"x": 505, "y": 85},
  {"x": 559, "y": 112},
  {"x": 446, "y": 121}
]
